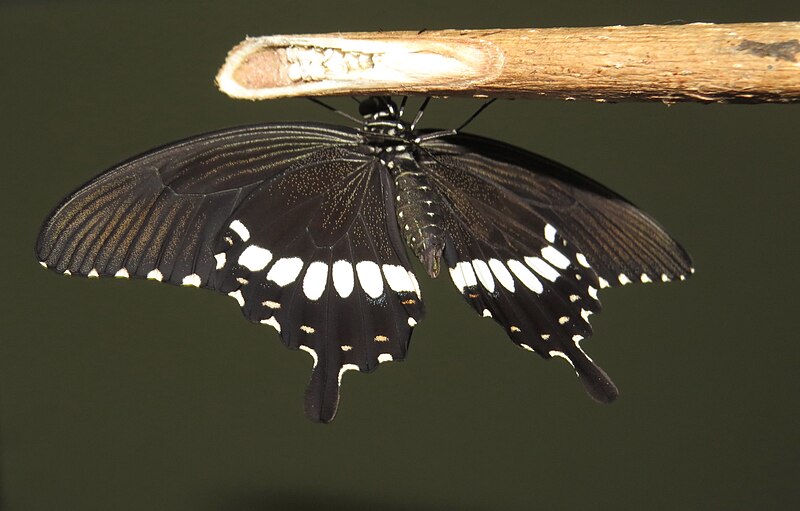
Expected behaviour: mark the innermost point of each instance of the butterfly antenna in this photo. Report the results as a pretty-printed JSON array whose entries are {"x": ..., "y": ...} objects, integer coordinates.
[
  {"x": 419, "y": 113},
  {"x": 334, "y": 110},
  {"x": 473, "y": 116}
]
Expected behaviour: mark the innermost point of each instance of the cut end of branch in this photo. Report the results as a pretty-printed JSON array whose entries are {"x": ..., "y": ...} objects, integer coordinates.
[{"x": 282, "y": 66}]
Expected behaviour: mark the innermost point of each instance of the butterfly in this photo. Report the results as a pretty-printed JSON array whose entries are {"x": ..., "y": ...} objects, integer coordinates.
[{"x": 308, "y": 226}]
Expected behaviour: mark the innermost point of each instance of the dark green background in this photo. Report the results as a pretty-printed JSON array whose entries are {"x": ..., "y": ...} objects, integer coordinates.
[{"x": 132, "y": 395}]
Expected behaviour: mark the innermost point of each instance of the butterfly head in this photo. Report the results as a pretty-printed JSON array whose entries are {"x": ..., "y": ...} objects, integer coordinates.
[{"x": 378, "y": 107}]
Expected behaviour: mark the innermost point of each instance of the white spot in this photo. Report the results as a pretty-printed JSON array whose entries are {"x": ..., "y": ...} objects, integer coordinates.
[
  {"x": 315, "y": 280},
  {"x": 271, "y": 304},
  {"x": 155, "y": 275},
  {"x": 44, "y": 264},
  {"x": 93, "y": 273},
  {"x": 525, "y": 347},
  {"x": 122, "y": 273},
  {"x": 550, "y": 233},
  {"x": 691, "y": 270},
  {"x": 369, "y": 276},
  {"x": 545, "y": 337},
  {"x": 525, "y": 276},
  {"x": 346, "y": 347},
  {"x": 237, "y": 295},
  {"x": 664, "y": 277},
  {"x": 385, "y": 357},
  {"x": 242, "y": 281},
  {"x": 271, "y": 322},
  {"x": 585, "y": 314},
  {"x": 285, "y": 270},
  {"x": 484, "y": 274},
  {"x": 577, "y": 338},
  {"x": 397, "y": 278},
  {"x": 555, "y": 257},
  {"x": 68, "y": 273},
  {"x": 623, "y": 279},
  {"x": 592, "y": 292},
  {"x": 310, "y": 351},
  {"x": 307, "y": 329},
  {"x": 582, "y": 260},
  {"x": 220, "y": 259},
  {"x": 555, "y": 353},
  {"x": 645, "y": 278},
  {"x": 603, "y": 282},
  {"x": 343, "y": 279},
  {"x": 254, "y": 258},
  {"x": 345, "y": 368},
  {"x": 487, "y": 313},
  {"x": 502, "y": 274},
  {"x": 412, "y": 322},
  {"x": 563, "y": 319},
  {"x": 542, "y": 268},
  {"x": 463, "y": 275},
  {"x": 514, "y": 328},
  {"x": 683, "y": 277},
  {"x": 191, "y": 280},
  {"x": 239, "y": 228},
  {"x": 574, "y": 298}
]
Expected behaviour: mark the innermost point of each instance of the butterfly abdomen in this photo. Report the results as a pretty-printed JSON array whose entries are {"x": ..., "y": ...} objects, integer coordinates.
[{"x": 419, "y": 215}]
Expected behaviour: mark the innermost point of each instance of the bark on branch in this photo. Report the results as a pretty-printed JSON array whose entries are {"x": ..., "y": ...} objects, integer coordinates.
[{"x": 743, "y": 62}]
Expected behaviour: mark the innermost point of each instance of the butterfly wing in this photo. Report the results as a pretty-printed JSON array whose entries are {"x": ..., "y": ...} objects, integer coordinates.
[
  {"x": 290, "y": 220},
  {"x": 532, "y": 241}
]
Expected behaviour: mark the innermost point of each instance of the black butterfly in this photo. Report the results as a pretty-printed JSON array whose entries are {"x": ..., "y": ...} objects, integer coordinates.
[{"x": 306, "y": 225}]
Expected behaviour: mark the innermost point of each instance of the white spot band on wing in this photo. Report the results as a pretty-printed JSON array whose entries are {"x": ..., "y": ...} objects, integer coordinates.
[
  {"x": 550, "y": 233},
  {"x": 315, "y": 280},
  {"x": 285, "y": 270},
  {"x": 542, "y": 268},
  {"x": 484, "y": 274},
  {"x": 254, "y": 258},
  {"x": 343, "y": 278},
  {"x": 555, "y": 257},
  {"x": 525, "y": 276},
  {"x": 501, "y": 272},
  {"x": 463, "y": 276},
  {"x": 239, "y": 228},
  {"x": 369, "y": 276},
  {"x": 398, "y": 278}
]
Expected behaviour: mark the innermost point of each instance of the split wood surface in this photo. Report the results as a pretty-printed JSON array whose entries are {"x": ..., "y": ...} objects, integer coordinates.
[{"x": 702, "y": 62}]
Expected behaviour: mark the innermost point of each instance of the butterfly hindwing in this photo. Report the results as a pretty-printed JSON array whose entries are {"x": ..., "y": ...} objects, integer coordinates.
[
  {"x": 532, "y": 242},
  {"x": 309, "y": 255},
  {"x": 522, "y": 274}
]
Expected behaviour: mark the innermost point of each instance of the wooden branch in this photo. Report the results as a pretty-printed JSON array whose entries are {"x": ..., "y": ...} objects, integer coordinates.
[{"x": 743, "y": 62}]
